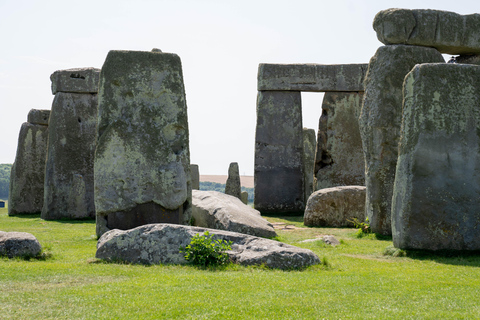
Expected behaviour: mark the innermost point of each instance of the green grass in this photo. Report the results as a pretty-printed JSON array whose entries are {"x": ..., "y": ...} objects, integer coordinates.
[{"x": 360, "y": 282}]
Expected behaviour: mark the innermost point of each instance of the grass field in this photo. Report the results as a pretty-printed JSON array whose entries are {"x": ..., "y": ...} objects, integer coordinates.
[{"x": 359, "y": 283}]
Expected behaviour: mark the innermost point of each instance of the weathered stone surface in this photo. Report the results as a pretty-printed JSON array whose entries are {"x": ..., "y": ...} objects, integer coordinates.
[
  {"x": 195, "y": 173},
  {"x": 78, "y": 80},
  {"x": 28, "y": 171},
  {"x": 160, "y": 243},
  {"x": 38, "y": 116},
  {"x": 68, "y": 189},
  {"x": 437, "y": 187},
  {"x": 448, "y": 32},
  {"x": 19, "y": 244},
  {"x": 233, "y": 186},
  {"x": 311, "y": 77},
  {"x": 332, "y": 207},
  {"x": 330, "y": 240},
  {"x": 339, "y": 156},
  {"x": 467, "y": 59},
  {"x": 278, "y": 179},
  {"x": 244, "y": 197},
  {"x": 142, "y": 161},
  {"x": 216, "y": 210},
  {"x": 309, "y": 146},
  {"x": 380, "y": 121}
]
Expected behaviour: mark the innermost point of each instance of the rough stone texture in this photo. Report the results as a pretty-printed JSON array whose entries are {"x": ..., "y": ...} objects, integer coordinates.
[
  {"x": 244, "y": 197},
  {"x": 142, "y": 161},
  {"x": 330, "y": 240},
  {"x": 19, "y": 244},
  {"x": 216, "y": 210},
  {"x": 278, "y": 178},
  {"x": 380, "y": 121},
  {"x": 68, "y": 189},
  {"x": 195, "y": 174},
  {"x": 38, "y": 116},
  {"x": 448, "y": 32},
  {"x": 468, "y": 59},
  {"x": 78, "y": 80},
  {"x": 28, "y": 171},
  {"x": 339, "y": 156},
  {"x": 311, "y": 77},
  {"x": 233, "y": 186},
  {"x": 332, "y": 207},
  {"x": 309, "y": 146},
  {"x": 160, "y": 243},
  {"x": 437, "y": 186}
]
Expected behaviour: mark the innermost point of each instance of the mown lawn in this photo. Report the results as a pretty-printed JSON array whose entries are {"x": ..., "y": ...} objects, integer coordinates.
[{"x": 360, "y": 282}]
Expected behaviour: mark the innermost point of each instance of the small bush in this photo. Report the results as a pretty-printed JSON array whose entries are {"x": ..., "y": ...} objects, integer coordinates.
[
  {"x": 394, "y": 252},
  {"x": 204, "y": 251},
  {"x": 363, "y": 227}
]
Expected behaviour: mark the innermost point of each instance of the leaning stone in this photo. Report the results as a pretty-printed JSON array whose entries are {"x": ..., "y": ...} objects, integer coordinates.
[
  {"x": 216, "y": 210},
  {"x": 68, "y": 190},
  {"x": 195, "y": 174},
  {"x": 28, "y": 171},
  {"x": 309, "y": 146},
  {"x": 334, "y": 207},
  {"x": 278, "y": 178},
  {"x": 339, "y": 156},
  {"x": 19, "y": 244},
  {"x": 36, "y": 116},
  {"x": 437, "y": 185},
  {"x": 233, "y": 186},
  {"x": 311, "y": 77},
  {"x": 78, "y": 80},
  {"x": 142, "y": 160},
  {"x": 380, "y": 121},
  {"x": 448, "y": 32},
  {"x": 160, "y": 243},
  {"x": 244, "y": 197}
]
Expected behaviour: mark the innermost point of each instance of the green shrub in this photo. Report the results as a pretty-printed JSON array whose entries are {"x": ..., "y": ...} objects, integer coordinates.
[
  {"x": 363, "y": 227},
  {"x": 204, "y": 251}
]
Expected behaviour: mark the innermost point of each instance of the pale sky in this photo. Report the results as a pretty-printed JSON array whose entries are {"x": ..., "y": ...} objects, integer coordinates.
[{"x": 220, "y": 43}]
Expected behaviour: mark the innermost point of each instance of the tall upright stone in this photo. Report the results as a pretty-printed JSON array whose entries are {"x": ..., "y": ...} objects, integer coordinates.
[
  {"x": 436, "y": 202},
  {"x": 68, "y": 188},
  {"x": 309, "y": 145},
  {"x": 195, "y": 173},
  {"x": 142, "y": 161},
  {"x": 339, "y": 156},
  {"x": 28, "y": 171},
  {"x": 380, "y": 121},
  {"x": 279, "y": 177},
  {"x": 233, "y": 186}
]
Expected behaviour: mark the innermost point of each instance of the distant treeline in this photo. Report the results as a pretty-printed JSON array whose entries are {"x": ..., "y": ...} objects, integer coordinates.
[
  {"x": 4, "y": 179},
  {"x": 213, "y": 186}
]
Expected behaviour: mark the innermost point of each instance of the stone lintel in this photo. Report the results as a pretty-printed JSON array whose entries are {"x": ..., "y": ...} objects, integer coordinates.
[
  {"x": 77, "y": 80},
  {"x": 36, "y": 116}
]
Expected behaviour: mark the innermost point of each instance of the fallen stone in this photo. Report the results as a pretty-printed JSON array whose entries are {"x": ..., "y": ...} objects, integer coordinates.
[
  {"x": 339, "y": 157},
  {"x": 195, "y": 176},
  {"x": 160, "y": 243},
  {"x": 334, "y": 207},
  {"x": 78, "y": 80},
  {"x": 233, "y": 186},
  {"x": 142, "y": 160},
  {"x": 448, "y": 32},
  {"x": 380, "y": 121},
  {"x": 278, "y": 178},
  {"x": 330, "y": 240},
  {"x": 309, "y": 146},
  {"x": 19, "y": 244},
  {"x": 311, "y": 77},
  {"x": 27, "y": 176},
  {"x": 437, "y": 185},
  {"x": 216, "y": 210}
]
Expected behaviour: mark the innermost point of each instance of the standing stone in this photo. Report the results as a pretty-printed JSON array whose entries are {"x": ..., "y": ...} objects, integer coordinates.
[
  {"x": 244, "y": 197},
  {"x": 309, "y": 145},
  {"x": 233, "y": 186},
  {"x": 27, "y": 176},
  {"x": 448, "y": 32},
  {"x": 437, "y": 187},
  {"x": 380, "y": 121},
  {"x": 279, "y": 185},
  {"x": 71, "y": 146},
  {"x": 195, "y": 176},
  {"x": 339, "y": 158},
  {"x": 142, "y": 161}
]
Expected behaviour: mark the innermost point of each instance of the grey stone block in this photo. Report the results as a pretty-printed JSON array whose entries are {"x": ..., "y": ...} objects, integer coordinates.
[
  {"x": 77, "y": 80},
  {"x": 36, "y": 116}
]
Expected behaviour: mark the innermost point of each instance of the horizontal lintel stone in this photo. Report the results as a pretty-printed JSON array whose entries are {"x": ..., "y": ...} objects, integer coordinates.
[
  {"x": 77, "y": 80},
  {"x": 311, "y": 77},
  {"x": 38, "y": 116}
]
